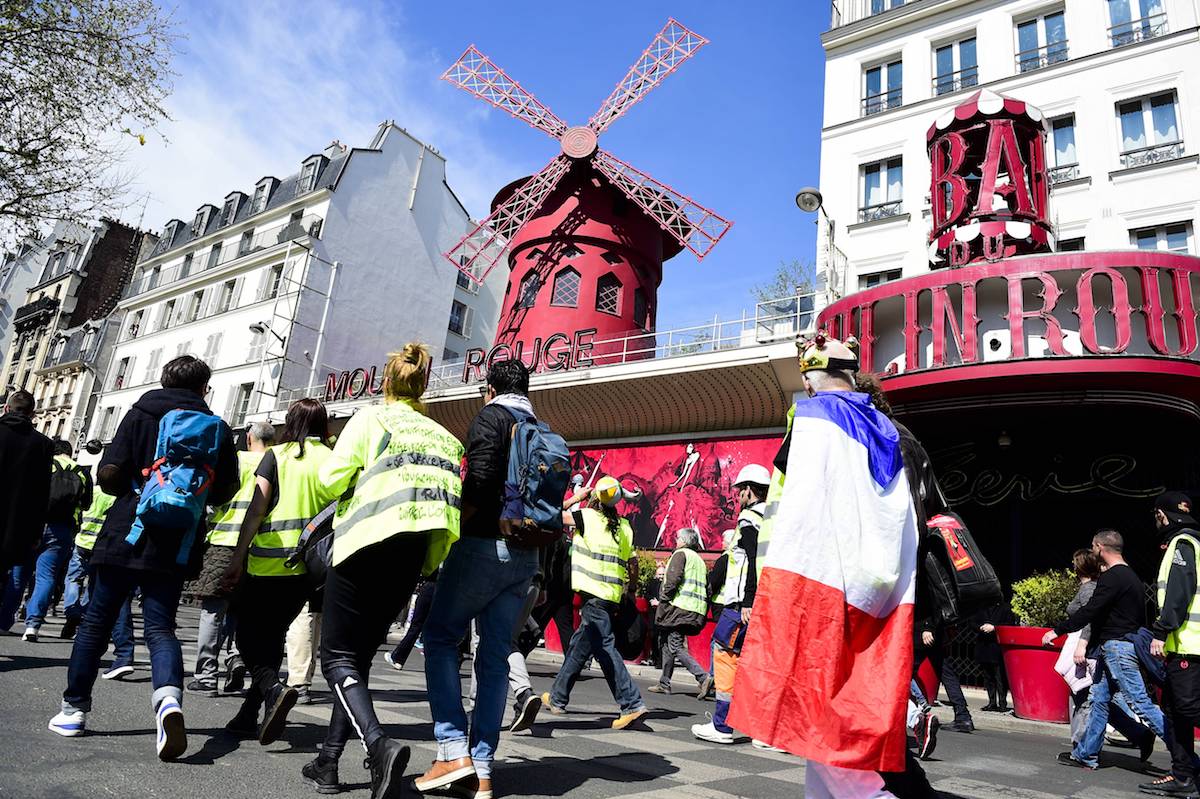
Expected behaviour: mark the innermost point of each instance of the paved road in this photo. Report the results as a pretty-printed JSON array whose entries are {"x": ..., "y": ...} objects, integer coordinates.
[{"x": 576, "y": 756}]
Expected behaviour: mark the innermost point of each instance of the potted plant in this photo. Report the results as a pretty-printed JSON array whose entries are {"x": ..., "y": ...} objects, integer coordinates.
[{"x": 1039, "y": 602}]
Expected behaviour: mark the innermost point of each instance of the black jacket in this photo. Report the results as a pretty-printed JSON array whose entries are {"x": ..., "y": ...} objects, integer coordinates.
[
  {"x": 131, "y": 451},
  {"x": 25, "y": 456},
  {"x": 1180, "y": 589},
  {"x": 488, "y": 440},
  {"x": 667, "y": 616}
]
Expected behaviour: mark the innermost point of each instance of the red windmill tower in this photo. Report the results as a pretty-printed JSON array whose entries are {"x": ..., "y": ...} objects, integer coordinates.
[{"x": 587, "y": 235}]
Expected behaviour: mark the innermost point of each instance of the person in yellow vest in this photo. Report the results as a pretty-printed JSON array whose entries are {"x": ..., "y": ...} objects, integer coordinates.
[
  {"x": 682, "y": 610},
  {"x": 218, "y": 626},
  {"x": 603, "y": 568},
  {"x": 405, "y": 470},
  {"x": 288, "y": 492},
  {"x": 1176, "y": 634}
]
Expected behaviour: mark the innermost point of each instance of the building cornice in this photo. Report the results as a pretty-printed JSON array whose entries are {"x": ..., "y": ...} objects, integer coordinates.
[{"x": 912, "y": 11}]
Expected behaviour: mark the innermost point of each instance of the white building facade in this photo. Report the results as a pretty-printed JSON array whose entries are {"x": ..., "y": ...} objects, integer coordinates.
[
  {"x": 1117, "y": 80},
  {"x": 328, "y": 269}
]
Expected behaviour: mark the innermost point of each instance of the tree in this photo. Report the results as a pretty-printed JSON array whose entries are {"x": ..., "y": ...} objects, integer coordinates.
[
  {"x": 790, "y": 278},
  {"x": 80, "y": 81}
]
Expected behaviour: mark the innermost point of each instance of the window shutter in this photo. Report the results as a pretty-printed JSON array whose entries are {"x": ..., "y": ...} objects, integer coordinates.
[
  {"x": 264, "y": 282},
  {"x": 212, "y": 349},
  {"x": 207, "y": 305},
  {"x": 230, "y": 400},
  {"x": 129, "y": 371},
  {"x": 237, "y": 292}
]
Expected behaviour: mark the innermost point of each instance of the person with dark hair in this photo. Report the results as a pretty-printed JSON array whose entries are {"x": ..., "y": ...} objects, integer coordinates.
[
  {"x": 288, "y": 493},
  {"x": 25, "y": 458},
  {"x": 1087, "y": 567},
  {"x": 486, "y": 577},
  {"x": 149, "y": 561}
]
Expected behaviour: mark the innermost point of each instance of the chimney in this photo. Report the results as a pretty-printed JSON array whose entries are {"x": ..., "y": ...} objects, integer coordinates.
[{"x": 335, "y": 148}]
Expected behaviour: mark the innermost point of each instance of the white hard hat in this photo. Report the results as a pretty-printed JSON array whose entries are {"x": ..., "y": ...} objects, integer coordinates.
[{"x": 753, "y": 473}]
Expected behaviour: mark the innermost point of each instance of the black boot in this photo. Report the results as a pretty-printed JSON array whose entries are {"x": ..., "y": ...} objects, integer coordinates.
[
  {"x": 279, "y": 702},
  {"x": 322, "y": 774},
  {"x": 387, "y": 761},
  {"x": 245, "y": 723}
]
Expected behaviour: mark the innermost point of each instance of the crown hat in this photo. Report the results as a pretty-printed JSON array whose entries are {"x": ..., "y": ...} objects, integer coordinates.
[{"x": 814, "y": 354}]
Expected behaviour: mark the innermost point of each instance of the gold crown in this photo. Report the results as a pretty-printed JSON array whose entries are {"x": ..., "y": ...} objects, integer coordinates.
[{"x": 813, "y": 355}]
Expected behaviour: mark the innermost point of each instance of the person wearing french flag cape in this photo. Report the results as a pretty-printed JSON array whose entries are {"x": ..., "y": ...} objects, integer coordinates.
[{"x": 824, "y": 672}]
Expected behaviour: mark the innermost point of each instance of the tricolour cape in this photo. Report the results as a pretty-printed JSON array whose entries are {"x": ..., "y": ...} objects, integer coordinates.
[{"x": 825, "y": 669}]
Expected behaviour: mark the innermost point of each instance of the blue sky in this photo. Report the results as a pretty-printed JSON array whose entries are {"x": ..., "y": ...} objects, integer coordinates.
[{"x": 260, "y": 85}]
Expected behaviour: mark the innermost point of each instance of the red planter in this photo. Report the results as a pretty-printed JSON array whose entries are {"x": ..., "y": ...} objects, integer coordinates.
[{"x": 1038, "y": 692}]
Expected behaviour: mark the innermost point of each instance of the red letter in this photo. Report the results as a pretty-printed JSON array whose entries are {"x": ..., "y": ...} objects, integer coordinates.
[
  {"x": 912, "y": 331},
  {"x": 1002, "y": 146},
  {"x": 335, "y": 387},
  {"x": 1087, "y": 310},
  {"x": 1017, "y": 314},
  {"x": 1184, "y": 313},
  {"x": 965, "y": 337},
  {"x": 473, "y": 363},
  {"x": 946, "y": 157}
]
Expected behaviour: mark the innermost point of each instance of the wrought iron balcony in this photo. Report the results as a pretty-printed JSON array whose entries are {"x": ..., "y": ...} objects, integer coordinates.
[
  {"x": 952, "y": 82},
  {"x": 34, "y": 313},
  {"x": 1061, "y": 174},
  {"x": 843, "y": 12},
  {"x": 1042, "y": 57},
  {"x": 886, "y": 210},
  {"x": 1138, "y": 30},
  {"x": 884, "y": 101},
  {"x": 1157, "y": 154}
]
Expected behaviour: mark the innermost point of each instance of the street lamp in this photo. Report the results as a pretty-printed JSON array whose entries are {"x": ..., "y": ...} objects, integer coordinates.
[
  {"x": 809, "y": 200},
  {"x": 265, "y": 327}
]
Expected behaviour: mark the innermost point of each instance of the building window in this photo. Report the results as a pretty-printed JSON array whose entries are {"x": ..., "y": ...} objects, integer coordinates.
[
  {"x": 273, "y": 280},
  {"x": 225, "y": 296},
  {"x": 151, "y": 373},
  {"x": 608, "y": 295},
  {"x": 199, "y": 223},
  {"x": 641, "y": 309},
  {"x": 1064, "y": 160},
  {"x": 882, "y": 190},
  {"x": 258, "y": 346},
  {"x": 260, "y": 198},
  {"x": 229, "y": 211},
  {"x": 58, "y": 429},
  {"x": 530, "y": 286},
  {"x": 1042, "y": 41},
  {"x": 1135, "y": 20},
  {"x": 1149, "y": 130},
  {"x": 89, "y": 341},
  {"x": 122, "y": 374},
  {"x": 164, "y": 315},
  {"x": 879, "y": 6},
  {"x": 108, "y": 424},
  {"x": 878, "y": 278},
  {"x": 152, "y": 278},
  {"x": 56, "y": 351},
  {"x": 1070, "y": 245},
  {"x": 308, "y": 177},
  {"x": 183, "y": 348},
  {"x": 450, "y": 356},
  {"x": 194, "y": 303},
  {"x": 571, "y": 251},
  {"x": 241, "y": 404},
  {"x": 955, "y": 67},
  {"x": 566, "y": 289},
  {"x": 214, "y": 256},
  {"x": 1169, "y": 238},
  {"x": 186, "y": 268},
  {"x": 135, "y": 324},
  {"x": 460, "y": 319},
  {"x": 246, "y": 242},
  {"x": 883, "y": 87}
]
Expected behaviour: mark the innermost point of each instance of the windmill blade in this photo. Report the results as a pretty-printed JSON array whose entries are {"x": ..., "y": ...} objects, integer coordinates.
[
  {"x": 695, "y": 226},
  {"x": 483, "y": 247},
  {"x": 673, "y": 45},
  {"x": 476, "y": 73}
]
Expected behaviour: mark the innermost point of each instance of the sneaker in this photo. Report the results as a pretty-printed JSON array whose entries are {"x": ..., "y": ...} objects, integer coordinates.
[
  {"x": 387, "y": 762},
  {"x": 235, "y": 679},
  {"x": 322, "y": 775},
  {"x": 117, "y": 672},
  {"x": 443, "y": 773},
  {"x": 1169, "y": 786},
  {"x": 245, "y": 723},
  {"x": 1068, "y": 759},
  {"x": 625, "y": 719},
  {"x": 926, "y": 732},
  {"x": 31, "y": 632},
  {"x": 705, "y": 685},
  {"x": 280, "y": 701},
  {"x": 766, "y": 747},
  {"x": 69, "y": 627},
  {"x": 966, "y": 726},
  {"x": 69, "y": 723},
  {"x": 391, "y": 661},
  {"x": 659, "y": 688},
  {"x": 303, "y": 697},
  {"x": 201, "y": 686},
  {"x": 550, "y": 706},
  {"x": 528, "y": 706},
  {"x": 709, "y": 732},
  {"x": 172, "y": 736}
]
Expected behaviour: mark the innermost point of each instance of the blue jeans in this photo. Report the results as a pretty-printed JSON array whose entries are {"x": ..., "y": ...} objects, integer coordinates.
[
  {"x": 482, "y": 579},
  {"x": 58, "y": 541},
  {"x": 112, "y": 587},
  {"x": 1117, "y": 672},
  {"x": 595, "y": 638}
]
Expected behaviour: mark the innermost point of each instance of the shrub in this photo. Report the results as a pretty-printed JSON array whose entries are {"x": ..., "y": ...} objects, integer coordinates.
[
  {"x": 1040, "y": 600},
  {"x": 647, "y": 565}
]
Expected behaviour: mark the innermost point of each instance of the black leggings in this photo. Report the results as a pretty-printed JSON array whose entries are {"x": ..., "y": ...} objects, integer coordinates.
[
  {"x": 421, "y": 605},
  {"x": 266, "y": 607},
  {"x": 363, "y": 595}
]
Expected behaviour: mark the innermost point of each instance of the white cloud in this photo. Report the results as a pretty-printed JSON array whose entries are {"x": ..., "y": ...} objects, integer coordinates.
[{"x": 262, "y": 85}]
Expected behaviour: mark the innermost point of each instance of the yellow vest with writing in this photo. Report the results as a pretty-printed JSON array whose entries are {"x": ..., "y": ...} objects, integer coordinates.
[
  {"x": 1186, "y": 639},
  {"x": 692, "y": 593},
  {"x": 226, "y": 521},
  {"x": 410, "y": 483},
  {"x": 301, "y": 496},
  {"x": 774, "y": 493},
  {"x": 93, "y": 519},
  {"x": 599, "y": 558}
]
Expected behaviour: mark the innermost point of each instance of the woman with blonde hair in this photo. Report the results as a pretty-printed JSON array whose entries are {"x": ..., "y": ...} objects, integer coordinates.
[{"x": 400, "y": 523}]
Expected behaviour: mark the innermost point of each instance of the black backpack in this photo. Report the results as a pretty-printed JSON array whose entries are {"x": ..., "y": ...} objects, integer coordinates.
[
  {"x": 959, "y": 576},
  {"x": 66, "y": 493}
]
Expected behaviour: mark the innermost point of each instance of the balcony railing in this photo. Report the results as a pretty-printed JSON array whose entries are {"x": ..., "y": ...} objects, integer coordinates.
[
  {"x": 843, "y": 12},
  {"x": 1157, "y": 154},
  {"x": 1042, "y": 57},
  {"x": 955, "y": 81},
  {"x": 33, "y": 313},
  {"x": 1138, "y": 30},
  {"x": 884, "y": 101},
  {"x": 886, "y": 210},
  {"x": 307, "y": 226},
  {"x": 1061, "y": 174}
]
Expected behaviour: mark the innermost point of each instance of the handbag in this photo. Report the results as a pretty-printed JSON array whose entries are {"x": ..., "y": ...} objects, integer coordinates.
[
  {"x": 315, "y": 548},
  {"x": 1077, "y": 677}
]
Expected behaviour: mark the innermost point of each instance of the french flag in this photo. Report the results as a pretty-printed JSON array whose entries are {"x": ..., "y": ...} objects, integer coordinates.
[{"x": 825, "y": 669}]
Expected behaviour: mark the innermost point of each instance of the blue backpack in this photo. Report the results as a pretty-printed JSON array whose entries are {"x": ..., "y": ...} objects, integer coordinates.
[
  {"x": 177, "y": 483},
  {"x": 538, "y": 473}
]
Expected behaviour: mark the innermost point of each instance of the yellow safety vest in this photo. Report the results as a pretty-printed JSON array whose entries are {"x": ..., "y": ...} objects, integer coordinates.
[
  {"x": 774, "y": 493},
  {"x": 1186, "y": 639},
  {"x": 226, "y": 521},
  {"x": 692, "y": 593},
  {"x": 93, "y": 520},
  {"x": 598, "y": 558},
  {"x": 406, "y": 471},
  {"x": 301, "y": 496}
]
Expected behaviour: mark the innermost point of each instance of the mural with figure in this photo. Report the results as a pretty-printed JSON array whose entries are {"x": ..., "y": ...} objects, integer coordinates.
[{"x": 688, "y": 483}]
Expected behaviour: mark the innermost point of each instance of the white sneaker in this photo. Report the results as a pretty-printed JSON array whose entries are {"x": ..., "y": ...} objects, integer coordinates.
[
  {"x": 766, "y": 747},
  {"x": 388, "y": 659},
  {"x": 707, "y": 732},
  {"x": 31, "y": 633},
  {"x": 69, "y": 723},
  {"x": 172, "y": 736}
]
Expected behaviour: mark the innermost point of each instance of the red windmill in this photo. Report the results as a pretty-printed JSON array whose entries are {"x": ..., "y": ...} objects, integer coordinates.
[{"x": 587, "y": 235}]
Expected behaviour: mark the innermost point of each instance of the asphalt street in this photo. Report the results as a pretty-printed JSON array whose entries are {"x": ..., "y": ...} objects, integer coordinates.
[{"x": 578, "y": 755}]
